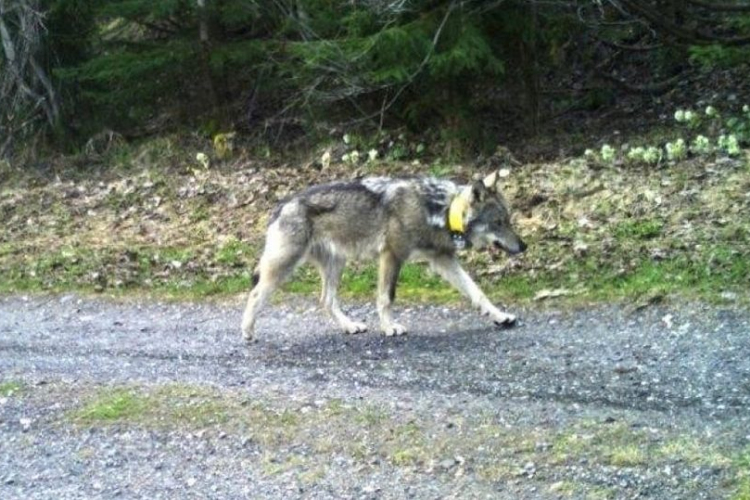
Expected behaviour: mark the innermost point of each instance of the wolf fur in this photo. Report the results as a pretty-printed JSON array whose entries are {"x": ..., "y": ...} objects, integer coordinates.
[{"x": 392, "y": 220}]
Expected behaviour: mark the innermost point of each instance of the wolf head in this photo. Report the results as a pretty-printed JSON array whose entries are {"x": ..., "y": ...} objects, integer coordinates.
[{"x": 488, "y": 217}]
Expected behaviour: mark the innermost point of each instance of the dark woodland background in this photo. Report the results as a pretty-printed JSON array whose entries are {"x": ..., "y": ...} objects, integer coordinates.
[{"x": 468, "y": 74}]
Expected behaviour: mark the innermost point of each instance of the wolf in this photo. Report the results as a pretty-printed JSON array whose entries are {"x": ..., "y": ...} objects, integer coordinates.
[{"x": 393, "y": 220}]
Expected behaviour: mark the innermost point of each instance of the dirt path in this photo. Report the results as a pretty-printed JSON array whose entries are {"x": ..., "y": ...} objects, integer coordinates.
[{"x": 140, "y": 400}]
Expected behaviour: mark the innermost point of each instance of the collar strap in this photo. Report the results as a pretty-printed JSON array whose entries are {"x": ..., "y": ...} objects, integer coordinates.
[{"x": 457, "y": 211}]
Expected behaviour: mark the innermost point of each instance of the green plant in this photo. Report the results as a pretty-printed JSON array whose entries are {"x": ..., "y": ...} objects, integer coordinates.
[
  {"x": 676, "y": 150},
  {"x": 701, "y": 145},
  {"x": 729, "y": 144},
  {"x": 608, "y": 154}
]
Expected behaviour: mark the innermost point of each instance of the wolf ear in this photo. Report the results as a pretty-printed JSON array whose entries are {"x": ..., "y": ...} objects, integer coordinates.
[
  {"x": 492, "y": 180},
  {"x": 478, "y": 191}
]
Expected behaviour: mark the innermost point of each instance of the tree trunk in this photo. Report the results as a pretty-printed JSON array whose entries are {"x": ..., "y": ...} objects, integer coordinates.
[
  {"x": 530, "y": 70},
  {"x": 205, "y": 57},
  {"x": 24, "y": 83}
]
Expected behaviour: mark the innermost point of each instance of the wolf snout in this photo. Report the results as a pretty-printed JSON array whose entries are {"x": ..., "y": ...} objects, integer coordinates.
[{"x": 513, "y": 248}]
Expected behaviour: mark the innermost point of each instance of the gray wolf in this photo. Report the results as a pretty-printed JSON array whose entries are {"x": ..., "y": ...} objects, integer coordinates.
[{"x": 393, "y": 220}]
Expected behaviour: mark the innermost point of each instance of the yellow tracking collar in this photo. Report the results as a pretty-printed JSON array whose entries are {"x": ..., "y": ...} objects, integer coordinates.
[{"x": 456, "y": 213}]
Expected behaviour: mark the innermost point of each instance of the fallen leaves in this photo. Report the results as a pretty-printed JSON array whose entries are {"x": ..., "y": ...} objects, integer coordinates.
[{"x": 567, "y": 212}]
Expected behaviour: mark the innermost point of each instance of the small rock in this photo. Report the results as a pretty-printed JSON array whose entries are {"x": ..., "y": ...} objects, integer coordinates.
[
  {"x": 667, "y": 320},
  {"x": 529, "y": 469},
  {"x": 542, "y": 446},
  {"x": 371, "y": 488},
  {"x": 557, "y": 486},
  {"x": 25, "y": 424},
  {"x": 623, "y": 369},
  {"x": 580, "y": 248},
  {"x": 448, "y": 463}
]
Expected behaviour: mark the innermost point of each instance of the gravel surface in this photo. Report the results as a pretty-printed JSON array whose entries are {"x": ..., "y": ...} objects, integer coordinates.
[{"x": 603, "y": 402}]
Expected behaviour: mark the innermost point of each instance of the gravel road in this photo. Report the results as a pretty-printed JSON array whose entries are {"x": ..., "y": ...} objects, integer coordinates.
[{"x": 603, "y": 402}]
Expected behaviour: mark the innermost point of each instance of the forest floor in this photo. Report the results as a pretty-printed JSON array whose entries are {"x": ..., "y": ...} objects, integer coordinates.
[{"x": 154, "y": 221}]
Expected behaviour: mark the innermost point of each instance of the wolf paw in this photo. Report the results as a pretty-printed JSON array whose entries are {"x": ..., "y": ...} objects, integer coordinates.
[
  {"x": 353, "y": 328},
  {"x": 393, "y": 329},
  {"x": 503, "y": 319},
  {"x": 247, "y": 333}
]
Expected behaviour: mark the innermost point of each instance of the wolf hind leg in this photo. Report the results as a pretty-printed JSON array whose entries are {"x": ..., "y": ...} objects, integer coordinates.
[
  {"x": 280, "y": 257},
  {"x": 331, "y": 268},
  {"x": 450, "y": 269}
]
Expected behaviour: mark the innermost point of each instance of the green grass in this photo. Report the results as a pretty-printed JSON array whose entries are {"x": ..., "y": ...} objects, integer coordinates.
[
  {"x": 416, "y": 282},
  {"x": 10, "y": 388},
  {"x": 118, "y": 406},
  {"x": 638, "y": 229},
  {"x": 627, "y": 456},
  {"x": 742, "y": 482},
  {"x": 692, "y": 451},
  {"x": 233, "y": 253},
  {"x": 299, "y": 438},
  {"x": 184, "y": 273},
  {"x": 615, "y": 444},
  {"x": 163, "y": 406}
]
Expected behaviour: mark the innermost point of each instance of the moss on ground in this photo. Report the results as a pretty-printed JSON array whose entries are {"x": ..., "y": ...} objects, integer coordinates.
[
  {"x": 10, "y": 388},
  {"x": 301, "y": 438}
]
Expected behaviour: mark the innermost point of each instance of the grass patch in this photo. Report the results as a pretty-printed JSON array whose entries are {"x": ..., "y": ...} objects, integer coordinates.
[
  {"x": 638, "y": 229},
  {"x": 234, "y": 253},
  {"x": 627, "y": 456},
  {"x": 719, "y": 270},
  {"x": 299, "y": 440},
  {"x": 11, "y": 388},
  {"x": 743, "y": 490},
  {"x": 692, "y": 451},
  {"x": 172, "y": 273},
  {"x": 416, "y": 283},
  {"x": 164, "y": 406},
  {"x": 121, "y": 405},
  {"x": 742, "y": 482},
  {"x": 701, "y": 277},
  {"x": 615, "y": 444}
]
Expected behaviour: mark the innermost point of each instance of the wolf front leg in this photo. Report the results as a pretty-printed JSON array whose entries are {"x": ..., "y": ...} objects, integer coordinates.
[
  {"x": 390, "y": 266},
  {"x": 450, "y": 269}
]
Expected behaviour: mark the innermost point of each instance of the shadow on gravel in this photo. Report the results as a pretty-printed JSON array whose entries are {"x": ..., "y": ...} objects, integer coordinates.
[
  {"x": 662, "y": 358},
  {"x": 523, "y": 364}
]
